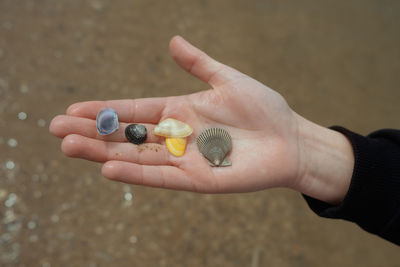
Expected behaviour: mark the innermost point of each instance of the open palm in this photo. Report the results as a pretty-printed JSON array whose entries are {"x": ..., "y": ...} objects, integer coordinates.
[{"x": 263, "y": 129}]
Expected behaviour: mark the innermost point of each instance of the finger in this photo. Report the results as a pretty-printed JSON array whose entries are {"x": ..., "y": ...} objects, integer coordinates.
[
  {"x": 155, "y": 176},
  {"x": 199, "y": 64},
  {"x": 144, "y": 110},
  {"x": 63, "y": 125},
  {"x": 77, "y": 146}
]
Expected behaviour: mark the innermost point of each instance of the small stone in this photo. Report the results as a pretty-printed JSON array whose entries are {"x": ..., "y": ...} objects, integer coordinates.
[
  {"x": 22, "y": 116},
  {"x": 65, "y": 206},
  {"x": 12, "y": 142},
  {"x": 120, "y": 227},
  {"x": 24, "y": 88},
  {"x": 11, "y": 200},
  {"x": 10, "y": 164},
  {"x": 32, "y": 224},
  {"x": 41, "y": 123},
  {"x": 99, "y": 230},
  {"x": 133, "y": 239},
  {"x": 136, "y": 133},
  {"x": 55, "y": 218},
  {"x": 107, "y": 121},
  {"x": 97, "y": 5},
  {"x": 9, "y": 216},
  {"x": 3, "y": 194},
  {"x": 37, "y": 194},
  {"x": 128, "y": 196}
]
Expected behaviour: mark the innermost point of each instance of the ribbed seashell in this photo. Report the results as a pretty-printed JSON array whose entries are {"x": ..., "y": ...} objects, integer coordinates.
[
  {"x": 176, "y": 146},
  {"x": 173, "y": 128},
  {"x": 215, "y": 144}
]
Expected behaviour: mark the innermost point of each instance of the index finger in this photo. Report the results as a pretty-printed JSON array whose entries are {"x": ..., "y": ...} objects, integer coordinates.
[{"x": 129, "y": 110}]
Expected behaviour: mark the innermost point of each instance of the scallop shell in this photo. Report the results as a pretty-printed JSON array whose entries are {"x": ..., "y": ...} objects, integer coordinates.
[
  {"x": 107, "y": 121},
  {"x": 173, "y": 128},
  {"x": 176, "y": 146},
  {"x": 215, "y": 144}
]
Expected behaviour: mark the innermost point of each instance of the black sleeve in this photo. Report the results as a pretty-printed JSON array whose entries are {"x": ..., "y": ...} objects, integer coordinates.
[{"x": 373, "y": 199}]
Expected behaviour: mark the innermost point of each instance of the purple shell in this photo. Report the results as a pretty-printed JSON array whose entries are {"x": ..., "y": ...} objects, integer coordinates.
[{"x": 107, "y": 121}]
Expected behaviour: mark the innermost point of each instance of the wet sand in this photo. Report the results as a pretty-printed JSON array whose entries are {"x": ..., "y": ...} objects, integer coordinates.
[{"x": 335, "y": 63}]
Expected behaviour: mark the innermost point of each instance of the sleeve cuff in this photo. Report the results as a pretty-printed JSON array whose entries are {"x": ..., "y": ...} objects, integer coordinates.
[{"x": 373, "y": 198}]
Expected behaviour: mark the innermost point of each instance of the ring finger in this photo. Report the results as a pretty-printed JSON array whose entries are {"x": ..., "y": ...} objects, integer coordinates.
[{"x": 78, "y": 146}]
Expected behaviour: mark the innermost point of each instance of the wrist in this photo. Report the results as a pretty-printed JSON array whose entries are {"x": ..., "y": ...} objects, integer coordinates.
[{"x": 326, "y": 162}]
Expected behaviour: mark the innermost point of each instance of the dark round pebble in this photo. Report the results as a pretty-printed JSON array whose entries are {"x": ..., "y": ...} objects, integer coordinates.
[{"x": 136, "y": 133}]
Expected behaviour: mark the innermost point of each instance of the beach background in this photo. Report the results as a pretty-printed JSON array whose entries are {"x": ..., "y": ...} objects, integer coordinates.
[{"x": 335, "y": 62}]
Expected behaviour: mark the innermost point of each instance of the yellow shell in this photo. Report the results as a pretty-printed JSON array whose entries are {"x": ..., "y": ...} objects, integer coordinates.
[
  {"x": 173, "y": 128},
  {"x": 176, "y": 146}
]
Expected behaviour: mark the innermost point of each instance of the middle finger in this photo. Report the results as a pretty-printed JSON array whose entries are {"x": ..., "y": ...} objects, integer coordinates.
[{"x": 78, "y": 146}]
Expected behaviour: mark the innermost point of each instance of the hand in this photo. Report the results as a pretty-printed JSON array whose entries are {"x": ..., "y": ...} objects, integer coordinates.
[
  {"x": 262, "y": 126},
  {"x": 266, "y": 151}
]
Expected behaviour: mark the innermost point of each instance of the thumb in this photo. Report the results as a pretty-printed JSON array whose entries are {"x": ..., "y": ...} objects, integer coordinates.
[{"x": 199, "y": 64}]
